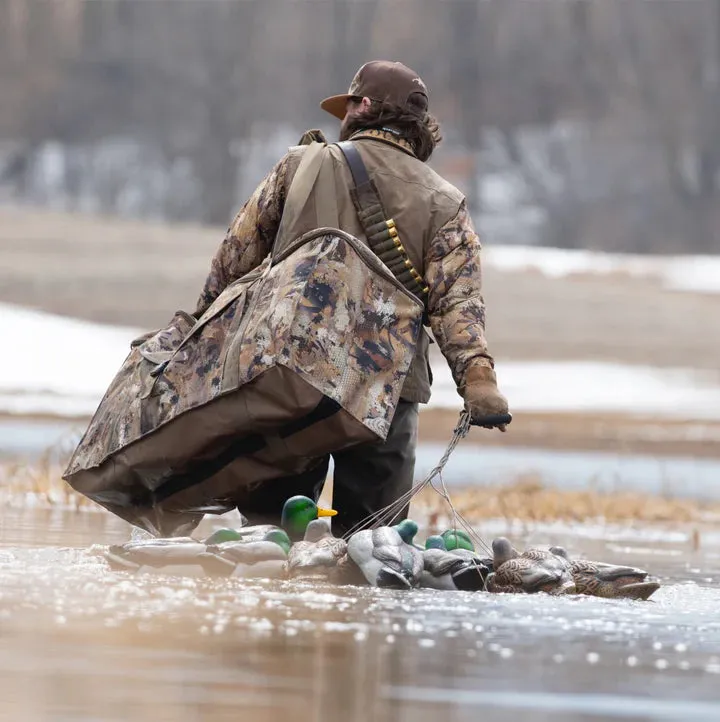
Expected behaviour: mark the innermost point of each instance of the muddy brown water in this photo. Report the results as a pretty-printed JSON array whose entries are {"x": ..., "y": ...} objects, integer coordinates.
[{"x": 81, "y": 643}]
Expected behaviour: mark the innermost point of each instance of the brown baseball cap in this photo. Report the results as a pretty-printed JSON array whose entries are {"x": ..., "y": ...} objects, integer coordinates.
[{"x": 380, "y": 80}]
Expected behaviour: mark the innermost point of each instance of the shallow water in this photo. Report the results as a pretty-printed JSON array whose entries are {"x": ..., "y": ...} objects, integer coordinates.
[
  {"x": 82, "y": 643},
  {"x": 28, "y": 439},
  {"x": 489, "y": 466}
]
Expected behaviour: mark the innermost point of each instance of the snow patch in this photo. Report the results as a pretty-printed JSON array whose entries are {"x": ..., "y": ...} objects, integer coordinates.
[
  {"x": 62, "y": 367},
  {"x": 700, "y": 274},
  {"x": 56, "y": 365},
  {"x": 557, "y": 386}
]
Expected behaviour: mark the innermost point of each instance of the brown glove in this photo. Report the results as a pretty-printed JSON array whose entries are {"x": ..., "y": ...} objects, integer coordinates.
[{"x": 482, "y": 397}]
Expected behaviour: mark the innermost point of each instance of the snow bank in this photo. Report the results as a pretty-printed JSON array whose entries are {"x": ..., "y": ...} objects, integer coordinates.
[
  {"x": 699, "y": 274},
  {"x": 556, "y": 387},
  {"x": 61, "y": 367},
  {"x": 56, "y": 365}
]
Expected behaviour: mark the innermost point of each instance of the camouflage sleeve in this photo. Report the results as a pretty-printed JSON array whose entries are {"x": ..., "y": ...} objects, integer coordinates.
[
  {"x": 455, "y": 303},
  {"x": 250, "y": 236}
]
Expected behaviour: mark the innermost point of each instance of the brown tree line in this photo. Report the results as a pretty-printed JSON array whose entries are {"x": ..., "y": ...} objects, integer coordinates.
[{"x": 636, "y": 84}]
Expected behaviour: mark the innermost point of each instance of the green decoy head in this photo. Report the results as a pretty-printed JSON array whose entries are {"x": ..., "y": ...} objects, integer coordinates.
[
  {"x": 457, "y": 539},
  {"x": 407, "y": 529},
  {"x": 435, "y": 542},
  {"x": 279, "y": 537},
  {"x": 298, "y": 512},
  {"x": 222, "y": 535}
]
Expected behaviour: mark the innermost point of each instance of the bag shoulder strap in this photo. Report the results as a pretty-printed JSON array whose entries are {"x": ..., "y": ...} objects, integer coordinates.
[
  {"x": 300, "y": 188},
  {"x": 314, "y": 173},
  {"x": 381, "y": 233}
]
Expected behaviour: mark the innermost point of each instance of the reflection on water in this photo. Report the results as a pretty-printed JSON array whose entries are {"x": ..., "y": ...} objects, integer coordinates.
[{"x": 80, "y": 642}]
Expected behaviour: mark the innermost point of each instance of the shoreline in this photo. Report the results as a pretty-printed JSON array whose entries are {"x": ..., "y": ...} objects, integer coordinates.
[
  {"x": 579, "y": 431},
  {"x": 590, "y": 431}
]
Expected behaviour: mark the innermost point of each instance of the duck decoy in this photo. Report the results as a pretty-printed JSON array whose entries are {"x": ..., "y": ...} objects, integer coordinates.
[
  {"x": 609, "y": 581},
  {"x": 254, "y": 559},
  {"x": 322, "y": 556},
  {"x": 444, "y": 569},
  {"x": 385, "y": 559},
  {"x": 297, "y": 512},
  {"x": 514, "y": 572},
  {"x": 179, "y": 556}
]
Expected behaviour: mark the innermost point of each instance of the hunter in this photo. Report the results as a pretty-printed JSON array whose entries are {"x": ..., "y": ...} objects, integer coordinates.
[{"x": 385, "y": 116}]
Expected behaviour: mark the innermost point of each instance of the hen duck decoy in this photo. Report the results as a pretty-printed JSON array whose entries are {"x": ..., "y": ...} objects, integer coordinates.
[
  {"x": 385, "y": 559},
  {"x": 608, "y": 580},
  {"x": 322, "y": 556},
  {"x": 514, "y": 572},
  {"x": 552, "y": 562}
]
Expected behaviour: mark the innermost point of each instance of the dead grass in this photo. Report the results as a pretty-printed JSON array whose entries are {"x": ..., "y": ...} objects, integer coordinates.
[
  {"x": 41, "y": 482},
  {"x": 524, "y": 499}
]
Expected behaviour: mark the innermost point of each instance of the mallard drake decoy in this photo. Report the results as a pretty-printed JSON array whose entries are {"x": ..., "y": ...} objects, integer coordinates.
[
  {"x": 297, "y": 513},
  {"x": 608, "y": 580},
  {"x": 438, "y": 542},
  {"x": 457, "y": 539},
  {"x": 320, "y": 555},
  {"x": 181, "y": 556},
  {"x": 407, "y": 529},
  {"x": 435, "y": 542},
  {"x": 257, "y": 550},
  {"x": 515, "y": 572},
  {"x": 444, "y": 569},
  {"x": 385, "y": 559},
  {"x": 257, "y": 559}
]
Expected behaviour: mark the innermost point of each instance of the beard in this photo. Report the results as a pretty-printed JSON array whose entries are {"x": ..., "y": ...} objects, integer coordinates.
[{"x": 347, "y": 128}]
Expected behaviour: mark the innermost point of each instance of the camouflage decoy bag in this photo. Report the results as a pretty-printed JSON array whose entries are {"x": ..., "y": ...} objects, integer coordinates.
[{"x": 304, "y": 356}]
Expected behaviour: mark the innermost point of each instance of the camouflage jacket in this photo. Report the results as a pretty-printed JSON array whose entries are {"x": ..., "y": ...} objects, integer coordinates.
[{"x": 435, "y": 228}]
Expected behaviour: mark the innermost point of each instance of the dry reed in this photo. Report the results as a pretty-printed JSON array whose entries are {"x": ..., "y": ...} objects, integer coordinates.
[{"x": 524, "y": 498}]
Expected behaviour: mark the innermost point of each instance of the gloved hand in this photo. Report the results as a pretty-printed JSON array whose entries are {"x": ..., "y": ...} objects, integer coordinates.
[{"x": 482, "y": 397}]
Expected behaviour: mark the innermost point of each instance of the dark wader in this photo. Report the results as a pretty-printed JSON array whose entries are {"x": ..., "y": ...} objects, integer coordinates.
[{"x": 366, "y": 478}]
